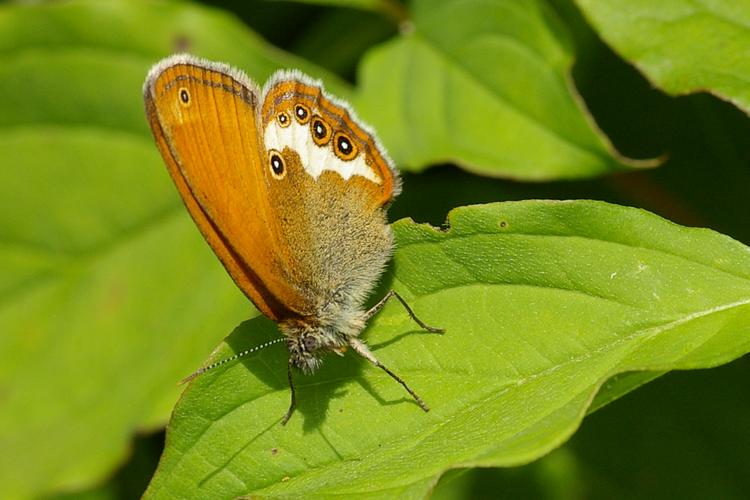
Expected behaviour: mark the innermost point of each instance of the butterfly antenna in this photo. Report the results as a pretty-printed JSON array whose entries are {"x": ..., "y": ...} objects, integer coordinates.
[{"x": 203, "y": 370}]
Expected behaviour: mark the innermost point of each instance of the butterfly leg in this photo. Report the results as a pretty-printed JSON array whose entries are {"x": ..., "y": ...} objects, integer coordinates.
[
  {"x": 293, "y": 402},
  {"x": 377, "y": 307},
  {"x": 361, "y": 349}
]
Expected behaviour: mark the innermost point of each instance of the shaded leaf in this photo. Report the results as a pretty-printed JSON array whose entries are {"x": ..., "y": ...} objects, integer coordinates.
[
  {"x": 338, "y": 39},
  {"x": 620, "y": 385},
  {"x": 485, "y": 85},
  {"x": 108, "y": 295},
  {"x": 703, "y": 181},
  {"x": 682, "y": 46},
  {"x": 391, "y": 8},
  {"x": 683, "y": 436},
  {"x": 686, "y": 435},
  {"x": 542, "y": 302}
]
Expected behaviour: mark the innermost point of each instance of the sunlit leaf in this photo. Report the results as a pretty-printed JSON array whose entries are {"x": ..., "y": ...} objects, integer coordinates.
[{"x": 542, "y": 302}]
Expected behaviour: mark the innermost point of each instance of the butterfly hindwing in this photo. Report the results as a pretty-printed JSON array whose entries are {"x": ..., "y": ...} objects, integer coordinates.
[
  {"x": 335, "y": 184},
  {"x": 296, "y": 112}
]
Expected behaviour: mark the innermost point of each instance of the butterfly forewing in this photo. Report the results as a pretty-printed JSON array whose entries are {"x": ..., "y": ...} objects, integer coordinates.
[{"x": 218, "y": 163}]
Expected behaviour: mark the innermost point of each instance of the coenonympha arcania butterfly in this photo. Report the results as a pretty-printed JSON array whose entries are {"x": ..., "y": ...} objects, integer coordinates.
[{"x": 290, "y": 190}]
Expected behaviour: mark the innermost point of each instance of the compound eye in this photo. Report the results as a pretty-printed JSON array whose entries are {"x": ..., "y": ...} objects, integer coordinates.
[{"x": 310, "y": 344}]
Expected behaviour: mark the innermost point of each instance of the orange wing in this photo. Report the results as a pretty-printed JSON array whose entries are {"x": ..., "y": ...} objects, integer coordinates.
[{"x": 204, "y": 118}]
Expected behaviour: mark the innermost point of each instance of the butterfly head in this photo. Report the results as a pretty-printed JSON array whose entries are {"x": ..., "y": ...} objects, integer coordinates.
[
  {"x": 307, "y": 344},
  {"x": 304, "y": 352}
]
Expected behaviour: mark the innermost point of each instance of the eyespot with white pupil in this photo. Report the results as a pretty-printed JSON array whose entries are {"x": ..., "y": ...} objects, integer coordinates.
[
  {"x": 276, "y": 164},
  {"x": 301, "y": 113},
  {"x": 283, "y": 119},
  {"x": 321, "y": 131},
  {"x": 184, "y": 96},
  {"x": 344, "y": 147}
]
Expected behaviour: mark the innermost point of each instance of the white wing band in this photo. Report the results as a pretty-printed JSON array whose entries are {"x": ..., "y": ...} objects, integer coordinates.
[{"x": 315, "y": 158}]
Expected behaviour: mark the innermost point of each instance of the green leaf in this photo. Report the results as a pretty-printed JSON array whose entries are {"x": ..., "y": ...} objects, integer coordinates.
[
  {"x": 542, "y": 302},
  {"x": 99, "y": 264},
  {"x": 683, "y": 436},
  {"x": 682, "y": 46},
  {"x": 485, "y": 85},
  {"x": 108, "y": 294},
  {"x": 338, "y": 38},
  {"x": 390, "y": 8}
]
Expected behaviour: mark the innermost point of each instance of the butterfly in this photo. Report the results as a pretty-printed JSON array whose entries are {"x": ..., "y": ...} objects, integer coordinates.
[{"x": 290, "y": 189}]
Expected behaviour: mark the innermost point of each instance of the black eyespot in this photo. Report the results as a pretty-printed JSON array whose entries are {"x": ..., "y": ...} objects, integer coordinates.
[
  {"x": 301, "y": 113},
  {"x": 344, "y": 147},
  {"x": 276, "y": 162},
  {"x": 283, "y": 119},
  {"x": 184, "y": 96},
  {"x": 319, "y": 129},
  {"x": 321, "y": 132},
  {"x": 310, "y": 344}
]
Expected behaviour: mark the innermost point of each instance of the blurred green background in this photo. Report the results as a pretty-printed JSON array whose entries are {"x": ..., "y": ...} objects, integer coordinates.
[{"x": 75, "y": 82}]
